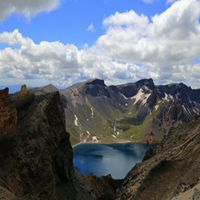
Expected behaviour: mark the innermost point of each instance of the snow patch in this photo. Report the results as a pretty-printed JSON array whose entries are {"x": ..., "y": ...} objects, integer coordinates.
[
  {"x": 92, "y": 113},
  {"x": 123, "y": 96},
  {"x": 114, "y": 129},
  {"x": 88, "y": 132},
  {"x": 95, "y": 139},
  {"x": 141, "y": 96},
  {"x": 187, "y": 110},
  {"x": 75, "y": 120},
  {"x": 196, "y": 110},
  {"x": 156, "y": 107},
  {"x": 168, "y": 97},
  {"x": 184, "y": 109}
]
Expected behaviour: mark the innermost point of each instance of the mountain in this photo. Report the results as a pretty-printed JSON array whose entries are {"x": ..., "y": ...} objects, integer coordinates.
[
  {"x": 171, "y": 171},
  {"x": 36, "y": 154},
  {"x": 139, "y": 112}
]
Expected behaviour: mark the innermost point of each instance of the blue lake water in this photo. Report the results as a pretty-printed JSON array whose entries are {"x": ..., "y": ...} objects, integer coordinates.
[{"x": 104, "y": 159}]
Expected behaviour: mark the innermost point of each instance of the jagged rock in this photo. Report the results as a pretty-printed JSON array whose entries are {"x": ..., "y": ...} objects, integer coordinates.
[
  {"x": 23, "y": 98},
  {"x": 104, "y": 187},
  {"x": 8, "y": 114},
  {"x": 36, "y": 161}
]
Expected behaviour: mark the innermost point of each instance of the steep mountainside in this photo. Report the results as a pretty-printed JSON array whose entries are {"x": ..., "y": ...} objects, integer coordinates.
[
  {"x": 169, "y": 172},
  {"x": 139, "y": 112},
  {"x": 35, "y": 151}
]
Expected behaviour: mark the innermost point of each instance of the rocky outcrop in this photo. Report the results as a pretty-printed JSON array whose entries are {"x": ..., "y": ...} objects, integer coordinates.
[
  {"x": 8, "y": 113},
  {"x": 23, "y": 98},
  {"x": 170, "y": 171},
  {"x": 36, "y": 160},
  {"x": 104, "y": 187}
]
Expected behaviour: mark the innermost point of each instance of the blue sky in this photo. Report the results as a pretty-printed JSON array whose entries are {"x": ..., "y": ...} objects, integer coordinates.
[
  {"x": 62, "y": 42},
  {"x": 69, "y": 22}
]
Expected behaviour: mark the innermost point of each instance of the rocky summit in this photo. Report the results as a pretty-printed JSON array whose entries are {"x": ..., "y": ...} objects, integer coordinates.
[{"x": 138, "y": 112}]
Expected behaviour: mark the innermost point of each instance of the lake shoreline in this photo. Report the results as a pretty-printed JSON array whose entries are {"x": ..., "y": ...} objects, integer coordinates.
[{"x": 118, "y": 142}]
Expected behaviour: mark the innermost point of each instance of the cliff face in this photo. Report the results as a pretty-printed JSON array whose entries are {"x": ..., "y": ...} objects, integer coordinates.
[
  {"x": 171, "y": 171},
  {"x": 8, "y": 112},
  {"x": 36, "y": 158}
]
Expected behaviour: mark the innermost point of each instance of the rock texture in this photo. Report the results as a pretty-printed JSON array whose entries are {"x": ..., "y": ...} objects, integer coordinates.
[
  {"x": 36, "y": 154},
  {"x": 36, "y": 158},
  {"x": 170, "y": 171},
  {"x": 104, "y": 187},
  {"x": 8, "y": 112}
]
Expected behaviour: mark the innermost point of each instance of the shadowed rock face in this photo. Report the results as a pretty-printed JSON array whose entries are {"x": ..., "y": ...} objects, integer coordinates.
[
  {"x": 8, "y": 113},
  {"x": 104, "y": 187},
  {"x": 36, "y": 158}
]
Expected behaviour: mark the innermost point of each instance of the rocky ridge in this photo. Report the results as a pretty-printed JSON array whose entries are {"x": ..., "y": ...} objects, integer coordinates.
[
  {"x": 169, "y": 172},
  {"x": 138, "y": 112}
]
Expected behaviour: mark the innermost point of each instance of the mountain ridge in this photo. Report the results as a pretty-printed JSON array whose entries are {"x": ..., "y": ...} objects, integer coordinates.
[
  {"x": 132, "y": 112},
  {"x": 128, "y": 112}
]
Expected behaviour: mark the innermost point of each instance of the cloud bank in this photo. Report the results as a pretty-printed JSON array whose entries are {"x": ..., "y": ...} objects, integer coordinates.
[
  {"x": 164, "y": 48},
  {"x": 28, "y": 7}
]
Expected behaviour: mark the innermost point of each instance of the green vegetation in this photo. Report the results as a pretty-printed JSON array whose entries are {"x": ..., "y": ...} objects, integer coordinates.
[{"x": 134, "y": 132}]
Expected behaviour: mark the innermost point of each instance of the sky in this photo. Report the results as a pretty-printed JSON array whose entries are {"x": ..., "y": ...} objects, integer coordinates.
[{"x": 67, "y": 41}]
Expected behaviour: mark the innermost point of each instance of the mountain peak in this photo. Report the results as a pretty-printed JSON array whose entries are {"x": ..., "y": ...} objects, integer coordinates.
[
  {"x": 44, "y": 90},
  {"x": 177, "y": 85},
  {"x": 96, "y": 82},
  {"x": 146, "y": 82}
]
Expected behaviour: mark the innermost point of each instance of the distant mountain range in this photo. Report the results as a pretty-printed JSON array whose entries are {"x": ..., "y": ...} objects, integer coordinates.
[{"x": 139, "y": 112}]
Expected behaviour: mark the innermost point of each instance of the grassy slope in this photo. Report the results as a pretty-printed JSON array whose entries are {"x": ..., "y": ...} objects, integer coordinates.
[{"x": 102, "y": 123}]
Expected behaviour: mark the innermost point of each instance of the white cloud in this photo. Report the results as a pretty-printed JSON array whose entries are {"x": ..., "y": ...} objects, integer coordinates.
[
  {"x": 133, "y": 47},
  {"x": 168, "y": 39},
  {"x": 91, "y": 28},
  {"x": 26, "y": 7}
]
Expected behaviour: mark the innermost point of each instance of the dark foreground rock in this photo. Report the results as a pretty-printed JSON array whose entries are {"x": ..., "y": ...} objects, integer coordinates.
[
  {"x": 104, "y": 187},
  {"x": 35, "y": 152}
]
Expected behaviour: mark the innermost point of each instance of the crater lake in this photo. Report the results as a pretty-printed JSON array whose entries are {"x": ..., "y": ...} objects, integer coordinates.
[{"x": 104, "y": 159}]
